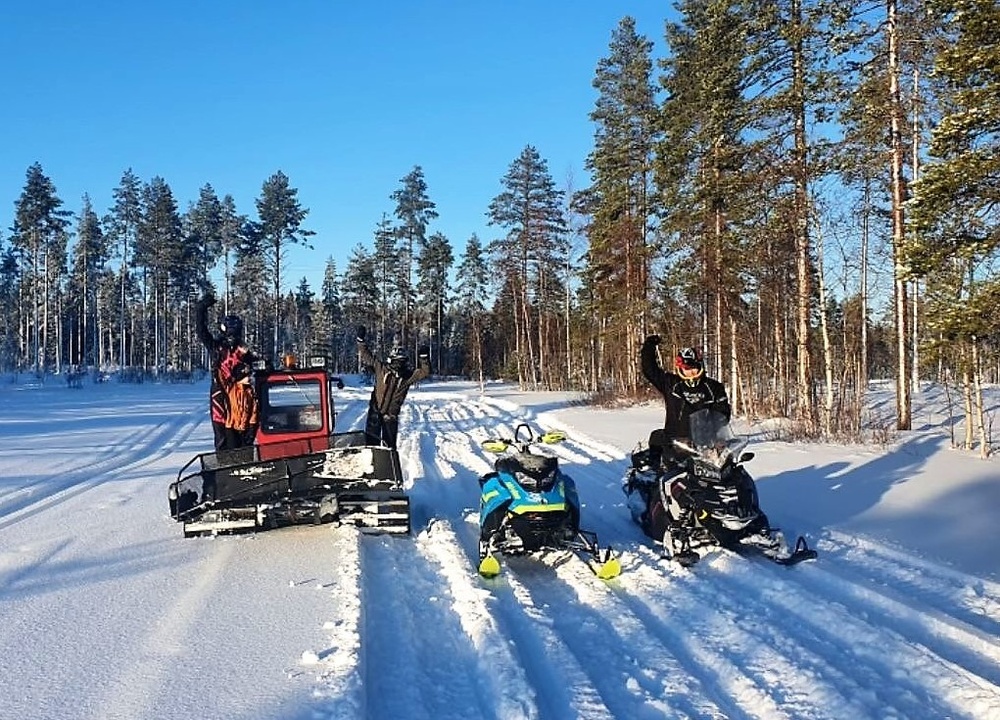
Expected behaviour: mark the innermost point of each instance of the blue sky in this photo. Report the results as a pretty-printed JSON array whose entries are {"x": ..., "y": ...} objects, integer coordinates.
[{"x": 343, "y": 97}]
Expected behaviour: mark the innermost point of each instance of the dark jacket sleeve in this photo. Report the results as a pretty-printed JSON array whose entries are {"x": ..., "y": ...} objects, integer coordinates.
[
  {"x": 721, "y": 402},
  {"x": 651, "y": 368},
  {"x": 201, "y": 325}
]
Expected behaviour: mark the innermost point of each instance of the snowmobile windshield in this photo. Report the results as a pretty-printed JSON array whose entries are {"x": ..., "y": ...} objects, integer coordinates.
[
  {"x": 534, "y": 473},
  {"x": 711, "y": 435}
]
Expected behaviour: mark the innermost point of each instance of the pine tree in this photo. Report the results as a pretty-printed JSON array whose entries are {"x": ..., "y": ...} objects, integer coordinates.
[
  {"x": 122, "y": 228},
  {"x": 359, "y": 289},
  {"x": 530, "y": 209},
  {"x": 204, "y": 228},
  {"x": 280, "y": 223},
  {"x": 90, "y": 254},
  {"x": 161, "y": 251},
  {"x": 39, "y": 230},
  {"x": 432, "y": 287},
  {"x": 470, "y": 299},
  {"x": 955, "y": 215},
  {"x": 415, "y": 211},
  {"x": 705, "y": 173},
  {"x": 618, "y": 202},
  {"x": 387, "y": 258}
]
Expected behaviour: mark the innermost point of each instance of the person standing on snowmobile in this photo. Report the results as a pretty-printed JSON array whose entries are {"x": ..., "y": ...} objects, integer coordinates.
[
  {"x": 392, "y": 381},
  {"x": 684, "y": 392},
  {"x": 226, "y": 351}
]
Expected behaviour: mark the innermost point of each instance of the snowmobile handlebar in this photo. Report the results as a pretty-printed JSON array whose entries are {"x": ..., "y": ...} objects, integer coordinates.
[{"x": 501, "y": 444}]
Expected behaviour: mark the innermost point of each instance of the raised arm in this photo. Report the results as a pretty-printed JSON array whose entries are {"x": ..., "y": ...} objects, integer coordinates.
[
  {"x": 651, "y": 365},
  {"x": 201, "y": 321}
]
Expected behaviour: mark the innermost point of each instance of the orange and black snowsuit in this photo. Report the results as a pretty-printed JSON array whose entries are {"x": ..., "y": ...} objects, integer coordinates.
[
  {"x": 242, "y": 420},
  {"x": 223, "y": 358}
]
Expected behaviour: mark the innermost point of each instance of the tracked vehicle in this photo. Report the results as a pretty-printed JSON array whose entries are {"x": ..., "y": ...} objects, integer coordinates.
[{"x": 298, "y": 471}]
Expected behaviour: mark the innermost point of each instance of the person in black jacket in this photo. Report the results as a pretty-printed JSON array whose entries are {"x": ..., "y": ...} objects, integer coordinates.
[
  {"x": 393, "y": 378},
  {"x": 226, "y": 353},
  {"x": 684, "y": 391}
]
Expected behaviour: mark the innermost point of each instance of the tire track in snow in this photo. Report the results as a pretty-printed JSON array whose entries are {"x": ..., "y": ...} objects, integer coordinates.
[
  {"x": 133, "y": 693},
  {"x": 341, "y": 688},
  {"x": 879, "y": 657},
  {"x": 941, "y": 587},
  {"x": 541, "y": 614},
  {"x": 794, "y": 667},
  {"x": 953, "y": 638},
  {"x": 400, "y": 603},
  {"x": 557, "y": 681},
  {"x": 158, "y": 443}
]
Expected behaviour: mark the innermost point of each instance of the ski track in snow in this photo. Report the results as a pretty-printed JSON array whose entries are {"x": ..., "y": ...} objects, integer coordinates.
[{"x": 403, "y": 627}]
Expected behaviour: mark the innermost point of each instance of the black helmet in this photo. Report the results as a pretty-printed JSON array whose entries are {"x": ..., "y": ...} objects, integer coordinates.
[
  {"x": 232, "y": 329},
  {"x": 397, "y": 358}
]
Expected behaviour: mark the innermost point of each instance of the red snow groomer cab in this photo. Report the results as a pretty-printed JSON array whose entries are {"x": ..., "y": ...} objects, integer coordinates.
[{"x": 298, "y": 471}]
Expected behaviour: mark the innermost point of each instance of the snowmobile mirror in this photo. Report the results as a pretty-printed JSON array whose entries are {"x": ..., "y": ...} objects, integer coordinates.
[
  {"x": 746, "y": 457},
  {"x": 494, "y": 446},
  {"x": 553, "y": 436}
]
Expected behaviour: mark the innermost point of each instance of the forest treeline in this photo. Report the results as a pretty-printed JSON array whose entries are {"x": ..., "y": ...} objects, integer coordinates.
[{"x": 808, "y": 190}]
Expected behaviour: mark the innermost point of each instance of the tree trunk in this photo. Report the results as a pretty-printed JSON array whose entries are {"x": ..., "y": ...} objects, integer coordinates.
[{"x": 903, "y": 410}]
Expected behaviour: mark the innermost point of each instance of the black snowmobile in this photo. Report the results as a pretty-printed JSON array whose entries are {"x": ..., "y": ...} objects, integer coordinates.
[
  {"x": 528, "y": 504},
  {"x": 696, "y": 494}
]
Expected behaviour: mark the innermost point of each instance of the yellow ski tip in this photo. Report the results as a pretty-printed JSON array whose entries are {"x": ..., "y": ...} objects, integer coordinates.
[
  {"x": 610, "y": 569},
  {"x": 489, "y": 567}
]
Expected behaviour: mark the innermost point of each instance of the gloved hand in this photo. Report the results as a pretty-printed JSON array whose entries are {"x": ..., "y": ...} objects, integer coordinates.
[
  {"x": 652, "y": 340},
  {"x": 208, "y": 299},
  {"x": 424, "y": 351},
  {"x": 361, "y": 333}
]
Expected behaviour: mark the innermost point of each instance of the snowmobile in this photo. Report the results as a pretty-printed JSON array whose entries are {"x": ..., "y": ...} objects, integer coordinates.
[
  {"x": 528, "y": 504},
  {"x": 695, "y": 493},
  {"x": 298, "y": 471}
]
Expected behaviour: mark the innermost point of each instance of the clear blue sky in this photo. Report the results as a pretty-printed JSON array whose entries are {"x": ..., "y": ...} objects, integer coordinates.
[{"x": 343, "y": 97}]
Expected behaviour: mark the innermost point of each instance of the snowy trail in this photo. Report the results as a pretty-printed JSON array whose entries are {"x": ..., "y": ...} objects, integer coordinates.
[{"x": 325, "y": 623}]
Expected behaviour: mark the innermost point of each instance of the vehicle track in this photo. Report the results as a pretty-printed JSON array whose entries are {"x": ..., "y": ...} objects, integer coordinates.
[{"x": 146, "y": 449}]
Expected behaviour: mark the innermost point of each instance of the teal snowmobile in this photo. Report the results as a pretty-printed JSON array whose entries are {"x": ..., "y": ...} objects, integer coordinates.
[
  {"x": 528, "y": 504},
  {"x": 694, "y": 493}
]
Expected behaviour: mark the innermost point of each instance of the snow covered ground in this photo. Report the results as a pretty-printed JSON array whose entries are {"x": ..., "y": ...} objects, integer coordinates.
[{"x": 107, "y": 612}]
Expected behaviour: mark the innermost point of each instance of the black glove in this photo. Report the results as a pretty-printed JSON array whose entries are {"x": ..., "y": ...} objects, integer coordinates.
[
  {"x": 652, "y": 340},
  {"x": 424, "y": 351},
  {"x": 208, "y": 300},
  {"x": 361, "y": 333}
]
